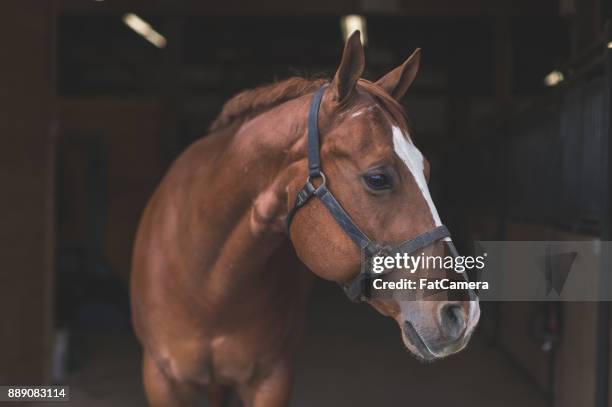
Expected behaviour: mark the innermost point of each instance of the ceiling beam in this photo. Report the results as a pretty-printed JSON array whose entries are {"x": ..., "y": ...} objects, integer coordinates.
[{"x": 408, "y": 8}]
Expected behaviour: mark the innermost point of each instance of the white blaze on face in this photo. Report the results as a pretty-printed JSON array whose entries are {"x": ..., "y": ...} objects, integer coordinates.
[{"x": 412, "y": 157}]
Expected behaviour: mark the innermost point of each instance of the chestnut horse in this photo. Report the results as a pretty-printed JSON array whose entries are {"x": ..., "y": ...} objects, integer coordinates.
[{"x": 219, "y": 288}]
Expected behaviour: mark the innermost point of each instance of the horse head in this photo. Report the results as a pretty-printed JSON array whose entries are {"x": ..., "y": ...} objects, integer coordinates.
[{"x": 380, "y": 178}]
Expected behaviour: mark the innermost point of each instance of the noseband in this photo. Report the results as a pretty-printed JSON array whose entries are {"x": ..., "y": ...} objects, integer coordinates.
[{"x": 356, "y": 288}]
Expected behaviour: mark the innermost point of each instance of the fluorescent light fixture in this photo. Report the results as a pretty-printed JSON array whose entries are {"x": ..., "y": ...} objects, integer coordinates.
[
  {"x": 553, "y": 78},
  {"x": 610, "y": 45},
  {"x": 144, "y": 29},
  {"x": 352, "y": 22}
]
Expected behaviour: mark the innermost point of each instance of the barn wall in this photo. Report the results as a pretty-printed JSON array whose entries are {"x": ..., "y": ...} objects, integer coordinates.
[
  {"x": 27, "y": 83},
  {"x": 574, "y": 360},
  {"x": 576, "y": 357},
  {"x": 124, "y": 134},
  {"x": 517, "y": 317}
]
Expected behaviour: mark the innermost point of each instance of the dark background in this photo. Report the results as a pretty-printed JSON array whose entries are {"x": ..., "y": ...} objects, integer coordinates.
[{"x": 92, "y": 115}]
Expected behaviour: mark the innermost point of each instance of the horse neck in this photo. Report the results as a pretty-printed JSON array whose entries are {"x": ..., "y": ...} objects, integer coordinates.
[{"x": 262, "y": 158}]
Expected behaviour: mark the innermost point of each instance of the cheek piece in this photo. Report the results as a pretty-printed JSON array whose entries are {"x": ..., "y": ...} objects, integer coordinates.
[{"x": 356, "y": 288}]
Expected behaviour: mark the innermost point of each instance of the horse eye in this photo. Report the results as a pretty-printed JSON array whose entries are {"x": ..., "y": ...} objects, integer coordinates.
[{"x": 378, "y": 181}]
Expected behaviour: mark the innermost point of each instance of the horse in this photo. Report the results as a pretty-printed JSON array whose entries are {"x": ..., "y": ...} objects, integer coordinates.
[{"x": 220, "y": 285}]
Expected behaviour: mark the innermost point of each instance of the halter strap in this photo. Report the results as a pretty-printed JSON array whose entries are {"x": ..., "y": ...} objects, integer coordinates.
[
  {"x": 314, "y": 158},
  {"x": 338, "y": 213}
]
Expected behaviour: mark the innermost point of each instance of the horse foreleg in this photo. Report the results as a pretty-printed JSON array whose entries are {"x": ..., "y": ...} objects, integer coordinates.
[
  {"x": 273, "y": 390},
  {"x": 162, "y": 390}
]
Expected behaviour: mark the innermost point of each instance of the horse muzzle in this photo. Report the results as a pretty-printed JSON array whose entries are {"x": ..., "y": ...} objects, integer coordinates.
[{"x": 450, "y": 334}]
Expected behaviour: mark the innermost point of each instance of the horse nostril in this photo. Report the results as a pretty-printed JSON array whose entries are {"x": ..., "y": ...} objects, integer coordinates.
[{"x": 452, "y": 321}]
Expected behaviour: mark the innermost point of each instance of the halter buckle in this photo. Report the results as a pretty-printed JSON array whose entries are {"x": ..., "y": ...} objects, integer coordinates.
[{"x": 321, "y": 175}]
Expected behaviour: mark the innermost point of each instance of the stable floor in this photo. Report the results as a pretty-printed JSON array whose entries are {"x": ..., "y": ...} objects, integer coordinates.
[{"x": 352, "y": 357}]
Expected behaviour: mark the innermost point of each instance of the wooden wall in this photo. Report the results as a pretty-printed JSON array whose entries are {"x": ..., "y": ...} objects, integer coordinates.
[
  {"x": 27, "y": 112},
  {"x": 574, "y": 361}
]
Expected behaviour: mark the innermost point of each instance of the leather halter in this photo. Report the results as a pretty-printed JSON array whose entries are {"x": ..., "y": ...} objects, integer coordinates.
[{"x": 356, "y": 287}]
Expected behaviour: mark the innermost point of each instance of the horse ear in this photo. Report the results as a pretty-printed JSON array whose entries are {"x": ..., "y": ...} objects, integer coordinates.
[
  {"x": 350, "y": 69},
  {"x": 397, "y": 82}
]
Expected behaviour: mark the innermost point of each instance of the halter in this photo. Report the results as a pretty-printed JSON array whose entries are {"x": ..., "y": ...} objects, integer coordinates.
[{"x": 356, "y": 288}]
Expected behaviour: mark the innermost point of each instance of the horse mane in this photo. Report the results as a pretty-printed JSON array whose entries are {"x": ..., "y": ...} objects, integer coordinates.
[{"x": 255, "y": 101}]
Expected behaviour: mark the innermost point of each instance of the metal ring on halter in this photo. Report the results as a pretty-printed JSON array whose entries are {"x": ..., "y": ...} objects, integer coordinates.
[{"x": 319, "y": 175}]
